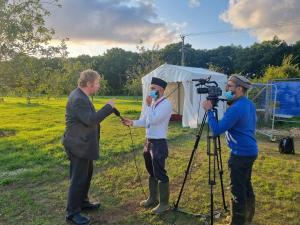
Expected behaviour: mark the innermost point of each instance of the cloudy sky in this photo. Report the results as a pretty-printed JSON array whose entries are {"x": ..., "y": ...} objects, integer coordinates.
[{"x": 96, "y": 25}]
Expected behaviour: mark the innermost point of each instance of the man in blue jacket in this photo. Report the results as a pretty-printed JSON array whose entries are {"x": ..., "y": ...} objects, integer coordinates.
[{"x": 238, "y": 123}]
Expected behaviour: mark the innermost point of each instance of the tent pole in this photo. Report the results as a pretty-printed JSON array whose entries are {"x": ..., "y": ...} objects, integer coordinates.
[{"x": 179, "y": 112}]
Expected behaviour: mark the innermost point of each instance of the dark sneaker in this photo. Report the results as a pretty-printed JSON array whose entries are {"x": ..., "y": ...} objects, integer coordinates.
[
  {"x": 90, "y": 206},
  {"x": 78, "y": 219}
]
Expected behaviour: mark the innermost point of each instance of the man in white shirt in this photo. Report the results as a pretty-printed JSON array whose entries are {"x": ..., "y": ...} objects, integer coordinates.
[{"x": 156, "y": 120}]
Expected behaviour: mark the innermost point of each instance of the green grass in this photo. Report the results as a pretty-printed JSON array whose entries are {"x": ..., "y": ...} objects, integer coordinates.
[{"x": 34, "y": 171}]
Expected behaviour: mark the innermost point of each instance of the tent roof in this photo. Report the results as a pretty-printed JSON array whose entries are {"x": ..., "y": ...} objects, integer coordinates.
[{"x": 173, "y": 73}]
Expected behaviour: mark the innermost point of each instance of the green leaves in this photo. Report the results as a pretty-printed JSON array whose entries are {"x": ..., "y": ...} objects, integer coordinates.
[
  {"x": 23, "y": 30},
  {"x": 287, "y": 70}
]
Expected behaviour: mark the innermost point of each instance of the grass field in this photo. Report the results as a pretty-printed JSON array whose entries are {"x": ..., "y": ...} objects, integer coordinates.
[{"x": 34, "y": 171}]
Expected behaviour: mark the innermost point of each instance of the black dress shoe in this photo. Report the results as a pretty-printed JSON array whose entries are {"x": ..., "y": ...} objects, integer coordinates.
[
  {"x": 78, "y": 219},
  {"x": 90, "y": 206}
]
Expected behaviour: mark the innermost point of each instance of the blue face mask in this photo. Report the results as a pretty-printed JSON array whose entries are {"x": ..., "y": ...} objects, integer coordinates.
[
  {"x": 153, "y": 94},
  {"x": 229, "y": 95}
]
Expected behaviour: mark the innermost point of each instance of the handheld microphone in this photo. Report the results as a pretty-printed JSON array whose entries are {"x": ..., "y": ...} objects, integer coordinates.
[{"x": 117, "y": 113}]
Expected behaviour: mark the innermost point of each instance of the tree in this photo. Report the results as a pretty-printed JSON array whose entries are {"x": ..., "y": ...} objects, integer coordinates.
[
  {"x": 171, "y": 54},
  {"x": 215, "y": 68},
  {"x": 134, "y": 87},
  {"x": 148, "y": 60},
  {"x": 6, "y": 83},
  {"x": 287, "y": 70},
  {"x": 23, "y": 30},
  {"x": 68, "y": 76},
  {"x": 113, "y": 66},
  {"x": 256, "y": 58},
  {"x": 26, "y": 75},
  {"x": 50, "y": 74},
  {"x": 104, "y": 87}
]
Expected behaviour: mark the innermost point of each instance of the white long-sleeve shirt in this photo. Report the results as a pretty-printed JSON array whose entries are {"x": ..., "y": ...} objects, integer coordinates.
[{"x": 156, "y": 119}]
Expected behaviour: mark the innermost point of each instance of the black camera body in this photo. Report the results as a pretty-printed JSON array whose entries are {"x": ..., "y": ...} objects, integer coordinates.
[
  {"x": 211, "y": 88},
  {"x": 212, "y": 91}
]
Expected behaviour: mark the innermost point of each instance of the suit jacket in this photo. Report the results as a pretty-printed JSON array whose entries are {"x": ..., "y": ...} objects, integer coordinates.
[{"x": 82, "y": 133}]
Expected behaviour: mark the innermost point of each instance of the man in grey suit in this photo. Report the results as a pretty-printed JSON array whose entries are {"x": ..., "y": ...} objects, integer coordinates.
[{"x": 81, "y": 142}]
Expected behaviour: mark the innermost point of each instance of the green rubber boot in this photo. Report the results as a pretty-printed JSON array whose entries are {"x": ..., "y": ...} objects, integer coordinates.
[
  {"x": 164, "y": 194},
  {"x": 152, "y": 199}
]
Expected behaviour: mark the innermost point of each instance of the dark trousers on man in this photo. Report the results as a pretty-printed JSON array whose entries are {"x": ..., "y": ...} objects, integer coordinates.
[
  {"x": 81, "y": 171},
  {"x": 155, "y": 154},
  {"x": 243, "y": 198}
]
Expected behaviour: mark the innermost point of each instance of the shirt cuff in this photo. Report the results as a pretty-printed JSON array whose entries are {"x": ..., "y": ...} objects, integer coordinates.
[{"x": 134, "y": 123}]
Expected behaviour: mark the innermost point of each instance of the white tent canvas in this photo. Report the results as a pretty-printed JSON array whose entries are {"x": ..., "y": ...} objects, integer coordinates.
[{"x": 182, "y": 92}]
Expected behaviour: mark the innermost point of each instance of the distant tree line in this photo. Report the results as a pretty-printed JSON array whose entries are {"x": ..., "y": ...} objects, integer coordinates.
[
  {"x": 122, "y": 70},
  {"x": 29, "y": 66}
]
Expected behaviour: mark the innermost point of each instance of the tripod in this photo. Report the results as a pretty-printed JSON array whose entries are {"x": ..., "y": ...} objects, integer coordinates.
[{"x": 214, "y": 161}]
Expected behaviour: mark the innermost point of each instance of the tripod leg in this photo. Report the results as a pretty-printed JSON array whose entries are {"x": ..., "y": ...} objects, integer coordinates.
[
  {"x": 198, "y": 136},
  {"x": 220, "y": 168},
  {"x": 211, "y": 171},
  {"x": 220, "y": 164}
]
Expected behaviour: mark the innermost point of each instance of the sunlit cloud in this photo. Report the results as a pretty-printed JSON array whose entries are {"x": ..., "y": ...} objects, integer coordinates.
[
  {"x": 265, "y": 18},
  {"x": 111, "y": 21}
]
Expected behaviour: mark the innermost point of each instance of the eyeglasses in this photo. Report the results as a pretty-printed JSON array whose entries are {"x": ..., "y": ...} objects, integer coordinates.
[{"x": 230, "y": 86}]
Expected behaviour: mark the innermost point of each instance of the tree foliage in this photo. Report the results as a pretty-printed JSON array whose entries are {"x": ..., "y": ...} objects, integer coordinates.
[
  {"x": 286, "y": 70},
  {"x": 147, "y": 61},
  {"x": 122, "y": 70},
  {"x": 23, "y": 30}
]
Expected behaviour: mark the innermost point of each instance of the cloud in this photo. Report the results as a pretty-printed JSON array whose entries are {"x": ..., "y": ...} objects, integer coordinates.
[
  {"x": 271, "y": 17},
  {"x": 110, "y": 21},
  {"x": 194, "y": 3}
]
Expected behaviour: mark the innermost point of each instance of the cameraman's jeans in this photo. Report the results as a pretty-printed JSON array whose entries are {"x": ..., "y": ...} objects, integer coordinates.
[{"x": 241, "y": 187}]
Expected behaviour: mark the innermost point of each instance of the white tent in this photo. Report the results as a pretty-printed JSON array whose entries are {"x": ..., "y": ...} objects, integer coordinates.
[{"x": 181, "y": 90}]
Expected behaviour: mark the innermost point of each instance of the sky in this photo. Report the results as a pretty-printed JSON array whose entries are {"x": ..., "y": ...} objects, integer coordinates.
[{"x": 93, "y": 26}]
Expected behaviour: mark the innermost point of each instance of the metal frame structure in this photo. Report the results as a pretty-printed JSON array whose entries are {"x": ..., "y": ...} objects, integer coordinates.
[
  {"x": 283, "y": 120},
  {"x": 270, "y": 89}
]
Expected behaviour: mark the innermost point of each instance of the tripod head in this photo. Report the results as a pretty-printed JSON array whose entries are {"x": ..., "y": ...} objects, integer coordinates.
[{"x": 214, "y": 101}]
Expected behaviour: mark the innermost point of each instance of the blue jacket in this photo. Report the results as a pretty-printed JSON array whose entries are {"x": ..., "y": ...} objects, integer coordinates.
[{"x": 239, "y": 122}]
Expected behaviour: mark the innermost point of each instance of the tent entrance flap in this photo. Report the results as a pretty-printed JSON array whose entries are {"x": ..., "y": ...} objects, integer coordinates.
[{"x": 175, "y": 93}]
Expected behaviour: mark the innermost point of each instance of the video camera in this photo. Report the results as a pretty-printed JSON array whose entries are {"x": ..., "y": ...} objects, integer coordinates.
[{"x": 211, "y": 88}]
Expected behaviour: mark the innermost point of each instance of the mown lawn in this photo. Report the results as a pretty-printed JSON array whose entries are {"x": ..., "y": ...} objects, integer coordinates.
[{"x": 34, "y": 171}]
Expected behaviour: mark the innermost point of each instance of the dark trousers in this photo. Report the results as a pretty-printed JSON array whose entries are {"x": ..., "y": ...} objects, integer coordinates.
[
  {"x": 241, "y": 187},
  {"x": 155, "y": 154},
  {"x": 81, "y": 171}
]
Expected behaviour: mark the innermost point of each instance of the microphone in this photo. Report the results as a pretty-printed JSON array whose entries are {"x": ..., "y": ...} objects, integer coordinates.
[{"x": 117, "y": 113}]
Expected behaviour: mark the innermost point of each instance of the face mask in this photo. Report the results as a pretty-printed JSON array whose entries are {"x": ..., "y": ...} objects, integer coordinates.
[
  {"x": 153, "y": 94},
  {"x": 229, "y": 95}
]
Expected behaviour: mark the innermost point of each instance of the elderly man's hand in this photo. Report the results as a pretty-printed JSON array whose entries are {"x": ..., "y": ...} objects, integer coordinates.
[
  {"x": 111, "y": 102},
  {"x": 207, "y": 105}
]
